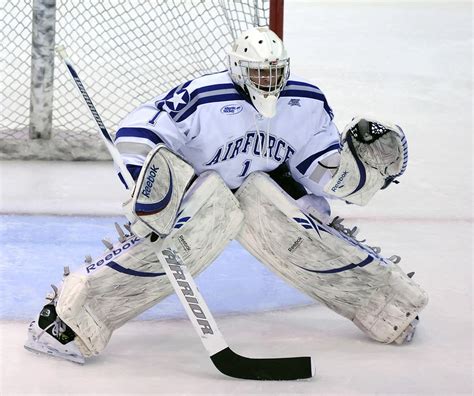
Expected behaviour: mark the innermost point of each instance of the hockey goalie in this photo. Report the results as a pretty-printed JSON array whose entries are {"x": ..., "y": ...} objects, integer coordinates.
[{"x": 252, "y": 154}]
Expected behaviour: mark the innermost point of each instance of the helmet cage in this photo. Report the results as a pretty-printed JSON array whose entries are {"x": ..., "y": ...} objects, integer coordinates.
[{"x": 266, "y": 78}]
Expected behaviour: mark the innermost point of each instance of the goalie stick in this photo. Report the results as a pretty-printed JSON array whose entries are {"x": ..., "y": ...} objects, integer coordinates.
[{"x": 225, "y": 359}]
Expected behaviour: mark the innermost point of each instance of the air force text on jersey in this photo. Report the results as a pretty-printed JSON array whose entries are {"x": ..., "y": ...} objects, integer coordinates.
[{"x": 254, "y": 143}]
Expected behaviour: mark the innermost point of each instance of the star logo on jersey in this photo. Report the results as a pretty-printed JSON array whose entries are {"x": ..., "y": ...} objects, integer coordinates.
[
  {"x": 294, "y": 102},
  {"x": 178, "y": 100}
]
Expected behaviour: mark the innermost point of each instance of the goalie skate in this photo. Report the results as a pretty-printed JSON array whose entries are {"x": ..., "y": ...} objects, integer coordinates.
[{"x": 50, "y": 336}]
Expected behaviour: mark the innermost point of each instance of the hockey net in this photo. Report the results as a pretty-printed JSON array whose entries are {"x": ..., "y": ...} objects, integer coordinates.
[{"x": 126, "y": 52}]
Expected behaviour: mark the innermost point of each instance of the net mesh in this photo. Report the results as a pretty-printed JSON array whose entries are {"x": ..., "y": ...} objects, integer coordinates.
[{"x": 125, "y": 51}]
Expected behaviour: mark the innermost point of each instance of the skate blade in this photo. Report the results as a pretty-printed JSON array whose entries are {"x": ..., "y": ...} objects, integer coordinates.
[{"x": 48, "y": 351}]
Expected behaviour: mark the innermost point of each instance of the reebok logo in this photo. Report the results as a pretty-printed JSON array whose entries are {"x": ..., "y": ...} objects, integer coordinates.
[
  {"x": 150, "y": 179},
  {"x": 111, "y": 255},
  {"x": 339, "y": 181},
  {"x": 183, "y": 243},
  {"x": 295, "y": 244}
]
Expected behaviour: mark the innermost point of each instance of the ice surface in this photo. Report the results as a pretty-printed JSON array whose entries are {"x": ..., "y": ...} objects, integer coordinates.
[
  {"x": 410, "y": 63},
  {"x": 38, "y": 258}
]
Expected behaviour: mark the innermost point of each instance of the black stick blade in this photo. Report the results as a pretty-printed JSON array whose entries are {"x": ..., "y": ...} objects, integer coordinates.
[{"x": 276, "y": 369}]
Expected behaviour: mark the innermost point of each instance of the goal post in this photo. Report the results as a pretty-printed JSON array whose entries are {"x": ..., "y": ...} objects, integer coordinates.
[
  {"x": 276, "y": 17},
  {"x": 42, "y": 69},
  {"x": 127, "y": 51}
]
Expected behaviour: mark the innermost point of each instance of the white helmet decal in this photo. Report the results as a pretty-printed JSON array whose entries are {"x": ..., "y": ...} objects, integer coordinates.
[{"x": 259, "y": 64}]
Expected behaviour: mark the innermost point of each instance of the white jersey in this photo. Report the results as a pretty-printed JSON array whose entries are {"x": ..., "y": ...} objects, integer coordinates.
[{"x": 213, "y": 126}]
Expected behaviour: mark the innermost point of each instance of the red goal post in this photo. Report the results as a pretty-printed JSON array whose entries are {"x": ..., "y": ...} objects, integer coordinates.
[
  {"x": 277, "y": 8},
  {"x": 127, "y": 51}
]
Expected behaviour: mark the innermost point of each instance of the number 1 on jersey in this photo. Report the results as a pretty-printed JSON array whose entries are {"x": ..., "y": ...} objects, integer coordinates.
[{"x": 245, "y": 168}]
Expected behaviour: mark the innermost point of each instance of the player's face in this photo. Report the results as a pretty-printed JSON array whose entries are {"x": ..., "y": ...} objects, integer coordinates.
[{"x": 266, "y": 79}]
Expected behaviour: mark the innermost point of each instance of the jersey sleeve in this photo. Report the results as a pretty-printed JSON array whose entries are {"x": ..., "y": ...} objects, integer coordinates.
[
  {"x": 311, "y": 165},
  {"x": 150, "y": 124}
]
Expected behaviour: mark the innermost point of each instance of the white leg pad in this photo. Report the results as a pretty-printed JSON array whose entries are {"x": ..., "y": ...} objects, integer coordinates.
[
  {"x": 345, "y": 275},
  {"x": 128, "y": 279}
]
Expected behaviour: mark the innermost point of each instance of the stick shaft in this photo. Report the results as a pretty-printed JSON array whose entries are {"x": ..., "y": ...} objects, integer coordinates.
[{"x": 104, "y": 133}]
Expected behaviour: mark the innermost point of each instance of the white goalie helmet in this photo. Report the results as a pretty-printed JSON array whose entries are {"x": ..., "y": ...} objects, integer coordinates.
[{"x": 259, "y": 64}]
